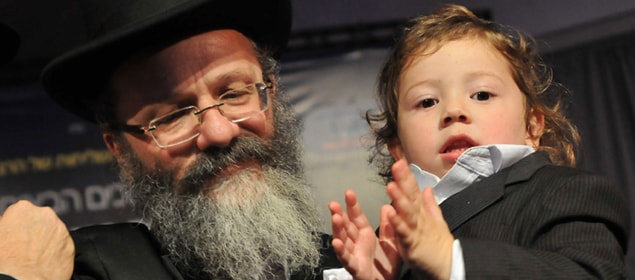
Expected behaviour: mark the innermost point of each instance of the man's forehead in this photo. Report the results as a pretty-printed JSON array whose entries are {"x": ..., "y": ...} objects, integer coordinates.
[
  {"x": 206, "y": 64},
  {"x": 222, "y": 53},
  {"x": 221, "y": 38}
]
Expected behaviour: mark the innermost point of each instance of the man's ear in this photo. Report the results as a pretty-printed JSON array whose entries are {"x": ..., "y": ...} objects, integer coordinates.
[
  {"x": 271, "y": 80},
  {"x": 535, "y": 128},
  {"x": 395, "y": 149},
  {"x": 112, "y": 144}
]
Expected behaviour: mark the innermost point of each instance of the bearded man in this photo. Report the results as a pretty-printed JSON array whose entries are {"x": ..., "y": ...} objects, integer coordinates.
[{"x": 186, "y": 92}]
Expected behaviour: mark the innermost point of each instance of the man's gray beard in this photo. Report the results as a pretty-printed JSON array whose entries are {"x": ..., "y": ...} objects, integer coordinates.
[{"x": 252, "y": 224}]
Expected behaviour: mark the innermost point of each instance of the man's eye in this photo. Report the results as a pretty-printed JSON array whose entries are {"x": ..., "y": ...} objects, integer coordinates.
[
  {"x": 172, "y": 117},
  {"x": 482, "y": 95},
  {"x": 235, "y": 97},
  {"x": 429, "y": 102},
  {"x": 233, "y": 94}
]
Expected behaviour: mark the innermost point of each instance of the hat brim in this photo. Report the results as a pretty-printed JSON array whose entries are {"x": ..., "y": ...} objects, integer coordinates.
[
  {"x": 76, "y": 78},
  {"x": 10, "y": 43}
]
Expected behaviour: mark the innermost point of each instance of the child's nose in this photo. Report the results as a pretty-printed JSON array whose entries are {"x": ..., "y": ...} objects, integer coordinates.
[{"x": 456, "y": 112}]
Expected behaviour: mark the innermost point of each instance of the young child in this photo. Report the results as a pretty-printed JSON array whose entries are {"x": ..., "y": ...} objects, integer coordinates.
[{"x": 464, "y": 110}]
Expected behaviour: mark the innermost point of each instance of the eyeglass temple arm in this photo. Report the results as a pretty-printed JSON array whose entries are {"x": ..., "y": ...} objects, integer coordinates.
[{"x": 138, "y": 129}]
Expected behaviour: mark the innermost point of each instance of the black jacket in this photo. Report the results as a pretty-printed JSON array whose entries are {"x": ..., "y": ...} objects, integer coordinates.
[
  {"x": 128, "y": 251},
  {"x": 535, "y": 220}
]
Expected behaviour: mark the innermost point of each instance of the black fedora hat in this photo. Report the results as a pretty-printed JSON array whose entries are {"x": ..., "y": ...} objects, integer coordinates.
[
  {"x": 117, "y": 29},
  {"x": 9, "y": 43}
]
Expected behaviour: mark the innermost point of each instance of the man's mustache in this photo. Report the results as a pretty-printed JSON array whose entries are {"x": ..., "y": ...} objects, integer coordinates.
[{"x": 211, "y": 163}]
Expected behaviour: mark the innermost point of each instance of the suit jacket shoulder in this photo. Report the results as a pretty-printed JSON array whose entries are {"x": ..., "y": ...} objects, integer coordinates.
[
  {"x": 124, "y": 251},
  {"x": 128, "y": 251},
  {"x": 534, "y": 219}
]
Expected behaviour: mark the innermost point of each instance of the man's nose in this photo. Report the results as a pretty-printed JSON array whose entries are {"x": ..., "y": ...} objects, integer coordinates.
[{"x": 216, "y": 130}]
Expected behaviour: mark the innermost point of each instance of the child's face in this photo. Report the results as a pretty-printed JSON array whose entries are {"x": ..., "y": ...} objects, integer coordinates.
[{"x": 461, "y": 96}]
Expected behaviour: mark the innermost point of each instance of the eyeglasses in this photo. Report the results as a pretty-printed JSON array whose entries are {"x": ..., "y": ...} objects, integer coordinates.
[{"x": 182, "y": 125}]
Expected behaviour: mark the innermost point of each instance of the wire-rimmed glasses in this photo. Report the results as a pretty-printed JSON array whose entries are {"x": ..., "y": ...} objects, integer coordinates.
[{"x": 183, "y": 125}]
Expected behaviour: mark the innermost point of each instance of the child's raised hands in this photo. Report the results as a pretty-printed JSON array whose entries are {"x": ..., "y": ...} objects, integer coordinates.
[
  {"x": 423, "y": 238},
  {"x": 363, "y": 255}
]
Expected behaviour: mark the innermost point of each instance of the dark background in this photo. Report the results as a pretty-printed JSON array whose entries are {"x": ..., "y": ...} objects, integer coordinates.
[
  {"x": 48, "y": 27},
  {"x": 53, "y": 158}
]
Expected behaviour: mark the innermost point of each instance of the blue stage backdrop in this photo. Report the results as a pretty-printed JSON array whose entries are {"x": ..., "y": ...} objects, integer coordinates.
[{"x": 52, "y": 158}]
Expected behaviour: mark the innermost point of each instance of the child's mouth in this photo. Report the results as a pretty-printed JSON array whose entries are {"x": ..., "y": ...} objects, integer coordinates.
[
  {"x": 455, "y": 146},
  {"x": 458, "y": 146}
]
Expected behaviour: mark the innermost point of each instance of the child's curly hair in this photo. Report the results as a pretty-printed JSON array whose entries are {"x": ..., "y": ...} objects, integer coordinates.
[{"x": 426, "y": 34}]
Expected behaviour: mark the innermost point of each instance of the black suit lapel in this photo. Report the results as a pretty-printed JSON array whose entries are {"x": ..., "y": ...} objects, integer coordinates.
[{"x": 464, "y": 205}]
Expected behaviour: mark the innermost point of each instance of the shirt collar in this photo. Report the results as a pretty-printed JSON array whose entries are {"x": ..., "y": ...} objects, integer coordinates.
[{"x": 474, "y": 164}]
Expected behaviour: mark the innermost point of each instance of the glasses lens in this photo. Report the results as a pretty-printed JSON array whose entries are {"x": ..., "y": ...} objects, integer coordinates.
[
  {"x": 176, "y": 127},
  {"x": 236, "y": 105},
  {"x": 243, "y": 103}
]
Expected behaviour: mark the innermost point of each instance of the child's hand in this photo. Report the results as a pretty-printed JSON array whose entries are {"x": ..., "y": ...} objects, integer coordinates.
[
  {"x": 356, "y": 245},
  {"x": 424, "y": 239}
]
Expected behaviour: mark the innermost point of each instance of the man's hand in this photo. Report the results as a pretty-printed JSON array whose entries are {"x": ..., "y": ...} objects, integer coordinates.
[{"x": 35, "y": 243}]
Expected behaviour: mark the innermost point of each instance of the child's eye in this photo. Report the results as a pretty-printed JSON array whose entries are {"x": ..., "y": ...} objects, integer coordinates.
[
  {"x": 482, "y": 96},
  {"x": 428, "y": 102}
]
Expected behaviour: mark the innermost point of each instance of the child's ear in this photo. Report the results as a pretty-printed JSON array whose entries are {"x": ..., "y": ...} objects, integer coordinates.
[
  {"x": 395, "y": 149},
  {"x": 535, "y": 128}
]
